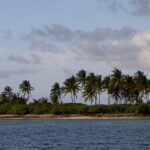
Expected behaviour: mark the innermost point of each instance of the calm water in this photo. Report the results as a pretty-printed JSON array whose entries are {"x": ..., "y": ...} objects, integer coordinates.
[{"x": 74, "y": 134}]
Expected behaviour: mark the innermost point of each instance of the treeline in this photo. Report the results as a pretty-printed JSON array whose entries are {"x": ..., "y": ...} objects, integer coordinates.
[
  {"x": 82, "y": 109},
  {"x": 120, "y": 88},
  {"x": 126, "y": 94}
]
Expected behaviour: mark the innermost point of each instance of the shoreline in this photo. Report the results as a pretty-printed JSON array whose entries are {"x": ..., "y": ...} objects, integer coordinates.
[{"x": 73, "y": 117}]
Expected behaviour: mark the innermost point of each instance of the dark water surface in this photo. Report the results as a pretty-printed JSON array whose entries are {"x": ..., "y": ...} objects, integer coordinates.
[{"x": 74, "y": 134}]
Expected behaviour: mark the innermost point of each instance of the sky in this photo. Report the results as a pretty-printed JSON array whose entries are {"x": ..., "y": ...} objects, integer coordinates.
[{"x": 47, "y": 41}]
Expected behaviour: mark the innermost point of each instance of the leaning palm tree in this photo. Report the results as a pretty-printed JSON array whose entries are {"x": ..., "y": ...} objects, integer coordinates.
[
  {"x": 55, "y": 94},
  {"x": 26, "y": 88},
  {"x": 71, "y": 87}
]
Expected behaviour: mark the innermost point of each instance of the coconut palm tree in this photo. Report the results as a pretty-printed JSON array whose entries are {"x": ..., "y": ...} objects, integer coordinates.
[
  {"x": 89, "y": 93},
  {"x": 81, "y": 78},
  {"x": 90, "y": 88},
  {"x": 116, "y": 84},
  {"x": 128, "y": 93},
  {"x": 99, "y": 86},
  {"x": 55, "y": 94},
  {"x": 71, "y": 87},
  {"x": 7, "y": 95},
  {"x": 141, "y": 83},
  {"x": 107, "y": 87},
  {"x": 26, "y": 88}
]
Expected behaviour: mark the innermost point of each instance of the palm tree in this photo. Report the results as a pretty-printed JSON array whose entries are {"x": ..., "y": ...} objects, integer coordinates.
[
  {"x": 71, "y": 87},
  {"x": 55, "y": 94},
  {"x": 147, "y": 91},
  {"x": 89, "y": 93},
  {"x": 141, "y": 83},
  {"x": 116, "y": 84},
  {"x": 99, "y": 86},
  {"x": 128, "y": 93},
  {"x": 90, "y": 88},
  {"x": 81, "y": 78},
  {"x": 7, "y": 94},
  {"x": 107, "y": 87},
  {"x": 26, "y": 88}
]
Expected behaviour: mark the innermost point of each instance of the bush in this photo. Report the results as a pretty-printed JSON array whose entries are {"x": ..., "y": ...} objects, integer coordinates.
[
  {"x": 19, "y": 109},
  {"x": 143, "y": 109},
  {"x": 40, "y": 108},
  {"x": 98, "y": 109},
  {"x": 4, "y": 108}
]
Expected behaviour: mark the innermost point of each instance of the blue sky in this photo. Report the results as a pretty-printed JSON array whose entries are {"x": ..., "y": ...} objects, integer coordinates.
[{"x": 48, "y": 41}]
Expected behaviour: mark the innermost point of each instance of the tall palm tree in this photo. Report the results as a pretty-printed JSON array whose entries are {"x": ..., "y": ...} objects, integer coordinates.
[
  {"x": 99, "y": 86},
  {"x": 107, "y": 87},
  {"x": 55, "y": 94},
  {"x": 141, "y": 82},
  {"x": 128, "y": 93},
  {"x": 71, "y": 87},
  {"x": 116, "y": 83},
  {"x": 89, "y": 93},
  {"x": 90, "y": 88},
  {"x": 26, "y": 88}
]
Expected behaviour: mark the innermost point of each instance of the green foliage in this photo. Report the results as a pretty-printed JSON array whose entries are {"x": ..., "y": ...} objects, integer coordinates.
[
  {"x": 4, "y": 108},
  {"x": 41, "y": 108},
  {"x": 19, "y": 109},
  {"x": 67, "y": 109},
  {"x": 143, "y": 109}
]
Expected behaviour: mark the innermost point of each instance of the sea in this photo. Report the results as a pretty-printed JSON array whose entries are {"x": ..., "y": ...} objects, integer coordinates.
[{"x": 75, "y": 134}]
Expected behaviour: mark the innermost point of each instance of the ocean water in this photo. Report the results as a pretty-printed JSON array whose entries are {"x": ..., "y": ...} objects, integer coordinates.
[{"x": 75, "y": 134}]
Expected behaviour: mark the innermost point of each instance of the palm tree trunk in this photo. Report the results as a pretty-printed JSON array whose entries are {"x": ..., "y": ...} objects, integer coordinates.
[
  {"x": 95, "y": 101},
  {"x": 108, "y": 99},
  {"x": 99, "y": 98},
  {"x": 72, "y": 98}
]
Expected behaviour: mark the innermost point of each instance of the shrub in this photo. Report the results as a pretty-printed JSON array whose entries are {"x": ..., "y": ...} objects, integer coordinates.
[
  {"x": 40, "y": 108},
  {"x": 19, "y": 109}
]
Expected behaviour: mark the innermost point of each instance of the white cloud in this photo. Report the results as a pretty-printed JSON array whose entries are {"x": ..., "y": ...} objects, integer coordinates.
[
  {"x": 144, "y": 58},
  {"x": 142, "y": 39}
]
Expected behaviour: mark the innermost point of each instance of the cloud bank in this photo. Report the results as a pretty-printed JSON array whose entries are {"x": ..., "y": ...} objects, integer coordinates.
[{"x": 58, "y": 46}]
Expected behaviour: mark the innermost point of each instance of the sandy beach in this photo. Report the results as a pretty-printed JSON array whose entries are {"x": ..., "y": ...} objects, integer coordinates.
[{"x": 73, "y": 116}]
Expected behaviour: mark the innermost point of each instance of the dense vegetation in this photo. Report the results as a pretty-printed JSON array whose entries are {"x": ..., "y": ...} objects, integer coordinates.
[
  {"x": 126, "y": 94},
  {"x": 66, "y": 109}
]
